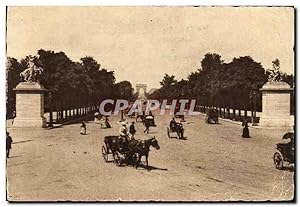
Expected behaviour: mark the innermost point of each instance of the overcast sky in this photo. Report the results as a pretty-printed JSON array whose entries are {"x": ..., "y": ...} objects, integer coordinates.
[{"x": 142, "y": 43}]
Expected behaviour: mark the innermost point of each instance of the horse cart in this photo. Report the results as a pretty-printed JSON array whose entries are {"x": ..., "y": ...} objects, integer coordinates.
[
  {"x": 285, "y": 152},
  {"x": 178, "y": 129},
  {"x": 127, "y": 152},
  {"x": 116, "y": 149},
  {"x": 150, "y": 120}
]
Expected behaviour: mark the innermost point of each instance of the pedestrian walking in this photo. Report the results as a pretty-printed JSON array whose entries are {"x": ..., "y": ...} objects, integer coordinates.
[
  {"x": 124, "y": 135},
  {"x": 83, "y": 128},
  {"x": 147, "y": 125},
  {"x": 245, "y": 129},
  {"x": 132, "y": 130},
  {"x": 8, "y": 144},
  {"x": 107, "y": 124}
]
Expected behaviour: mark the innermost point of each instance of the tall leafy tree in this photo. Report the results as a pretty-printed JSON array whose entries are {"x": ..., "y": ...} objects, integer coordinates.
[
  {"x": 14, "y": 68},
  {"x": 125, "y": 90},
  {"x": 69, "y": 84}
]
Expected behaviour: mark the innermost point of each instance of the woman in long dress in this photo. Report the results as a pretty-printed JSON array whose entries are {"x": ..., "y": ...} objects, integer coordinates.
[
  {"x": 83, "y": 128},
  {"x": 245, "y": 129}
]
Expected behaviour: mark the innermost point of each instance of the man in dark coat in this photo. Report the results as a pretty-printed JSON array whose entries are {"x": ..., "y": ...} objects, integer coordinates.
[
  {"x": 173, "y": 124},
  {"x": 147, "y": 125},
  {"x": 107, "y": 124},
  {"x": 132, "y": 130},
  {"x": 8, "y": 144}
]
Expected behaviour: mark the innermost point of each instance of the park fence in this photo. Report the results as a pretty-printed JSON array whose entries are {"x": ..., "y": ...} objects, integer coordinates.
[
  {"x": 233, "y": 114},
  {"x": 237, "y": 114},
  {"x": 68, "y": 115}
]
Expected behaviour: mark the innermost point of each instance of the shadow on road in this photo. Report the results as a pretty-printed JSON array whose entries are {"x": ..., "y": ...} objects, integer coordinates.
[
  {"x": 24, "y": 141},
  {"x": 184, "y": 138},
  {"x": 289, "y": 168},
  {"x": 212, "y": 124},
  {"x": 150, "y": 168},
  {"x": 15, "y": 156}
]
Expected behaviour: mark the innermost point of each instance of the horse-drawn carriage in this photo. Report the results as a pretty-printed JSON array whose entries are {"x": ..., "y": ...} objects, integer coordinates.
[
  {"x": 178, "y": 129},
  {"x": 129, "y": 152},
  {"x": 285, "y": 152},
  {"x": 212, "y": 116},
  {"x": 145, "y": 118},
  {"x": 150, "y": 120}
]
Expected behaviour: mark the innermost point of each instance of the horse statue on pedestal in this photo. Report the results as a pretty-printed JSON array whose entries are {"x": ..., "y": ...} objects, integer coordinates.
[
  {"x": 32, "y": 72},
  {"x": 275, "y": 74}
]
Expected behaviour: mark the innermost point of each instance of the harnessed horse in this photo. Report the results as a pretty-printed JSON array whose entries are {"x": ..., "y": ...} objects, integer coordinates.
[
  {"x": 133, "y": 149},
  {"x": 143, "y": 149}
]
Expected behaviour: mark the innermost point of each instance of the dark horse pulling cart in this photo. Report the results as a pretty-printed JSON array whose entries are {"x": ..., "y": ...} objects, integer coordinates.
[{"x": 127, "y": 152}]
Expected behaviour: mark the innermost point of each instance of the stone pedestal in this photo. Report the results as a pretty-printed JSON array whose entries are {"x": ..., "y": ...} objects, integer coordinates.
[
  {"x": 29, "y": 105},
  {"x": 276, "y": 105}
]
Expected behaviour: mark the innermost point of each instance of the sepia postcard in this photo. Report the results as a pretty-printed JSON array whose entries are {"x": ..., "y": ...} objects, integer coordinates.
[{"x": 150, "y": 104}]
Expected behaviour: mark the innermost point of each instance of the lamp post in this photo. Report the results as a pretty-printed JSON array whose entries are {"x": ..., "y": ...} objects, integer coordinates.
[
  {"x": 122, "y": 115},
  {"x": 182, "y": 116},
  {"x": 122, "y": 97},
  {"x": 50, "y": 107},
  {"x": 254, "y": 110},
  {"x": 204, "y": 102}
]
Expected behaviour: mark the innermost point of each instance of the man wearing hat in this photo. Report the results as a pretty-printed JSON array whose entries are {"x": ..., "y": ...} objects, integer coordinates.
[
  {"x": 8, "y": 144},
  {"x": 132, "y": 129},
  {"x": 124, "y": 134},
  {"x": 123, "y": 130}
]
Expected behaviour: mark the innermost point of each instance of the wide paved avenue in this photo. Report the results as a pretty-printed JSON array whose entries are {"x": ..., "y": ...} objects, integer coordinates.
[{"x": 213, "y": 163}]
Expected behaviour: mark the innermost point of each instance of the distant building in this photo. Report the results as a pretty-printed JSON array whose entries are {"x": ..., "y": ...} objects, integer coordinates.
[{"x": 141, "y": 93}]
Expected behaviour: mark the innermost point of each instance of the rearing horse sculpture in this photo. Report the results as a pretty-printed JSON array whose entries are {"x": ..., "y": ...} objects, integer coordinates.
[{"x": 32, "y": 72}]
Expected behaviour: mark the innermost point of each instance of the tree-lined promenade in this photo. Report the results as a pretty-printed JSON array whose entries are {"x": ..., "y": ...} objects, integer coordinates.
[
  {"x": 69, "y": 84},
  {"x": 74, "y": 85},
  {"x": 232, "y": 85}
]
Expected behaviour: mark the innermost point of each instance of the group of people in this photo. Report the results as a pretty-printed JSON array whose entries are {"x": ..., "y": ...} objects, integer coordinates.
[
  {"x": 104, "y": 123},
  {"x": 124, "y": 132}
]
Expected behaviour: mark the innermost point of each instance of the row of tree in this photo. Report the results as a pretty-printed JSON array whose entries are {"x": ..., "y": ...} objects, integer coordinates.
[
  {"x": 227, "y": 85},
  {"x": 69, "y": 84}
]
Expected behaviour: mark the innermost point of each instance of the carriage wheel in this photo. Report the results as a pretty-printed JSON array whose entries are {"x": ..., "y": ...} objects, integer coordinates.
[
  {"x": 105, "y": 153},
  {"x": 168, "y": 131},
  {"x": 278, "y": 160}
]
